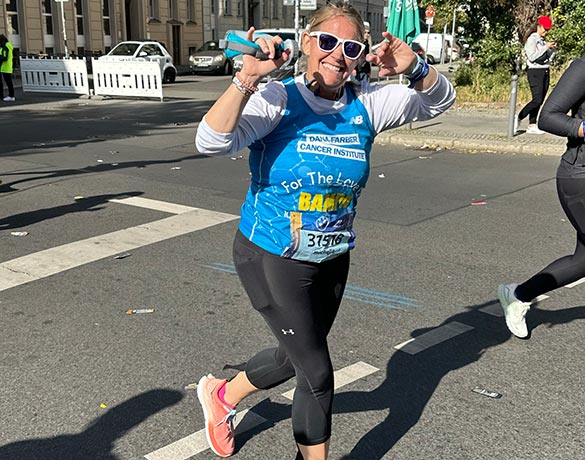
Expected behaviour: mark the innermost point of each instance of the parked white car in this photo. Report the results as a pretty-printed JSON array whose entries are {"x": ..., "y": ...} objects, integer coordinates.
[
  {"x": 147, "y": 50},
  {"x": 436, "y": 45}
]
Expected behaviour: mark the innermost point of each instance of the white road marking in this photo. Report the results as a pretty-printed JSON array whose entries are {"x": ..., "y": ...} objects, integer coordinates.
[
  {"x": 576, "y": 283},
  {"x": 155, "y": 205},
  {"x": 494, "y": 309},
  {"x": 400, "y": 345},
  {"x": 434, "y": 337},
  {"x": 345, "y": 376},
  {"x": 197, "y": 442},
  {"x": 55, "y": 260}
]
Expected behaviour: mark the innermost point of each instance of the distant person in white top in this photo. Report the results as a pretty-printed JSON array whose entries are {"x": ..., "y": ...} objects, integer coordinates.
[{"x": 539, "y": 54}]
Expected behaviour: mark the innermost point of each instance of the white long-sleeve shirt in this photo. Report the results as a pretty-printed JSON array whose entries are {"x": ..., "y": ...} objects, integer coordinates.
[
  {"x": 538, "y": 56},
  {"x": 388, "y": 106}
]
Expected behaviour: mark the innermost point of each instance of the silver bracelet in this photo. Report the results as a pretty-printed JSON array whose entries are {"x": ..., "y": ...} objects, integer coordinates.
[{"x": 246, "y": 90}]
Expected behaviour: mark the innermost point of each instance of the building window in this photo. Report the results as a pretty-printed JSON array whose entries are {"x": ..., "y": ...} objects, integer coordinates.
[
  {"x": 106, "y": 19},
  {"x": 191, "y": 10},
  {"x": 79, "y": 16},
  {"x": 266, "y": 8},
  {"x": 227, "y": 7},
  {"x": 47, "y": 13},
  {"x": 153, "y": 9},
  {"x": 239, "y": 8},
  {"x": 275, "y": 5},
  {"x": 12, "y": 12},
  {"x": 173, "y": 9}
]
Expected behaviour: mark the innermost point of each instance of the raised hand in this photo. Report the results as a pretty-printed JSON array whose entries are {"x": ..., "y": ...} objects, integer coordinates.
[
  {"x": 393, "y": 56},
  {"x": 258, "y": 68}
]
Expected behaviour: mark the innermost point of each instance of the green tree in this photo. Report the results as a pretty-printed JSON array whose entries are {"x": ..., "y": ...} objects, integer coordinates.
[
  {"x": 569, "y": 29},
  {"x": 496, "y": 29}
]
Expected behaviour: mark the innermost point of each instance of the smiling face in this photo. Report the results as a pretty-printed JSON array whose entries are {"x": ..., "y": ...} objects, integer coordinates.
[{"x": 330, "y": 69}]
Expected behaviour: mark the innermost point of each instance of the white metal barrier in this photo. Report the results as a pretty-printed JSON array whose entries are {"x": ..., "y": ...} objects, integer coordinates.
[
  {"x": 54, "y": 75},
  {"x": 127, "y": 78}
]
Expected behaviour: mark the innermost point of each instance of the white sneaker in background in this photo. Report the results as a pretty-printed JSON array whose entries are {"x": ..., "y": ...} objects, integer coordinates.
[
  {"x": 533, "y": 129},
  {"x": 8, "y": 99},
  {"x": 514, "y": 310}
]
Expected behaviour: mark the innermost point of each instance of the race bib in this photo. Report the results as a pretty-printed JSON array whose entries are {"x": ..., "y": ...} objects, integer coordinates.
[{"x": 319, "y": 238}]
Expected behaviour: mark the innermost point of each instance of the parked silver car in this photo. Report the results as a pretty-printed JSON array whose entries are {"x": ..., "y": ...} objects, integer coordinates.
[
  {"x": 210, "y": 58},
  {"x": 148, "y": 50}
]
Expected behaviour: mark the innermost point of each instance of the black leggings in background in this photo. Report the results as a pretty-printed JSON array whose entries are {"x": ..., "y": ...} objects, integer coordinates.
[
  {"x": 567, "y": 269},
  {"x": 539, "y": 80},
  {"x": 299, "y": 302},
  {"x": 8, "y": 79}
]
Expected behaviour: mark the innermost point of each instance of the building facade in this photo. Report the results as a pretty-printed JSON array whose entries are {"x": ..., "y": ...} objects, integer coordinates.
[{"x": 93, "y": 27}]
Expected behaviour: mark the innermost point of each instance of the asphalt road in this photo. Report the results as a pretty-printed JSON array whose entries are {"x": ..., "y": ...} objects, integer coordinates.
[{"x": 81, "y": 379}]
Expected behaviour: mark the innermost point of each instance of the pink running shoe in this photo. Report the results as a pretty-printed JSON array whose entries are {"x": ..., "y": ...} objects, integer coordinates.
[{"x": 219, "y": 419}]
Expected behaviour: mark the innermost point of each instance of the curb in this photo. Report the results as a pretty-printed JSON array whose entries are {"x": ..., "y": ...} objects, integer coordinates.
[{"x": 492, "y": 145}]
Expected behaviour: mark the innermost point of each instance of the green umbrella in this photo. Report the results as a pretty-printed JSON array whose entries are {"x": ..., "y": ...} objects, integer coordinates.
[{"x": 403, "y": 19}]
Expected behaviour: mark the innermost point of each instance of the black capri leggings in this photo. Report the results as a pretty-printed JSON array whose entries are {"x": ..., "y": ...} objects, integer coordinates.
[
  {"x": 299, "y": 301},
  {"x": 569, "y": 268}
]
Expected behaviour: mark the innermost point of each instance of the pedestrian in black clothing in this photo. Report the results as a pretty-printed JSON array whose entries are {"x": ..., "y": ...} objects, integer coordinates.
[
  {"x": 568, "y": 95},
  {"x": 6, "y": 69},
  {"x": 539, "y": 54}
]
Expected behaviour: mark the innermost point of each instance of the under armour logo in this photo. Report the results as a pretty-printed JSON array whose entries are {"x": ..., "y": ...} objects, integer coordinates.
[{"x": 289, "y": 331}]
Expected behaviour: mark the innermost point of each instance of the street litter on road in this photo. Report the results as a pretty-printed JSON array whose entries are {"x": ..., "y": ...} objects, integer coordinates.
[
  {"x": 489, "y": 394},
  {"x": 139, "y": 311}
]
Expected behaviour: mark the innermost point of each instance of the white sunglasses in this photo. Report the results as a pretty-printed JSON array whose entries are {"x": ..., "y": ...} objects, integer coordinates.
[{"x": 327, "y": 42}]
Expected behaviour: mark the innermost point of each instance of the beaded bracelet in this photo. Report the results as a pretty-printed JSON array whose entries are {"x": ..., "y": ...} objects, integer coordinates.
[
  {"x": 420, "y": 71},
  {"x": 245, "y": 88}
]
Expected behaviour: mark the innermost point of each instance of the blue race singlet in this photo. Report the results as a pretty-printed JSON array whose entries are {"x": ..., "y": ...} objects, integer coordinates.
[{"x": 307, "y": 175}]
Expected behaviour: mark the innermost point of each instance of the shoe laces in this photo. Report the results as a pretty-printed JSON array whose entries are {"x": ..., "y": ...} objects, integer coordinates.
[{"x": 229, "y": 419}]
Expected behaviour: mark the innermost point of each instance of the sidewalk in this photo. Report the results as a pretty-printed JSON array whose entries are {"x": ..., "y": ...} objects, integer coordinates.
[{"x": 476, "y": 128}]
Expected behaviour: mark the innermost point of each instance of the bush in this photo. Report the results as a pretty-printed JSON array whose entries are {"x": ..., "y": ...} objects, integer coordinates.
[{"x": 476, "y": 84}]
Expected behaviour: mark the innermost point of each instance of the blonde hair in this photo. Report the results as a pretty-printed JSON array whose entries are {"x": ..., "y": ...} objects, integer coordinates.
[{"x": 340, "y": 9}]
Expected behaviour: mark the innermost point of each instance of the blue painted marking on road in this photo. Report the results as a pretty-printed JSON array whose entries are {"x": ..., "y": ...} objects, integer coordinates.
[
  {"x": 359, "y": 294},
  {"x": 222, "y": 268},
  {"x": 381, "y": 295},
  {"x": 380, "y": 304}
]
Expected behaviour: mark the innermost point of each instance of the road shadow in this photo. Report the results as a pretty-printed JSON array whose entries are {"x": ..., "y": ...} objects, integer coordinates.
[
  {"x": 9, "y": 186},
  {"x": 85, "y": 204},
  {"x": 97, "y": 441},
  {"x": 72, "y": 123},
  {"x": 411, "y": 380}
]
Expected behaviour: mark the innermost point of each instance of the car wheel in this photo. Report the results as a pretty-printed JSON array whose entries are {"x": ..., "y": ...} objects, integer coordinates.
[
  {"x": 227, "y": 68},
  {"x": 431, "y": 59},
  {"x": 169, "y": 76}
]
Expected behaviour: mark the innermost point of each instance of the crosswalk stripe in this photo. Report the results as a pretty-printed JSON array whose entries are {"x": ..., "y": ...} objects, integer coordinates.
[
  {"x": 155, "y": 205},
  {"x": 246, "y": 420},
  {"x": 55, "y": 260},
  {"x": 576, "y": 283},
  {"x": 345, "y": 376},
  {"x": 433, "y": 337},
  {"x": 196, "y": 442}
]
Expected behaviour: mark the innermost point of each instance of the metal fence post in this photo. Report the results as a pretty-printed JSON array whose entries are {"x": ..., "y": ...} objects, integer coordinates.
[{"x": 513, "y": 99}]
